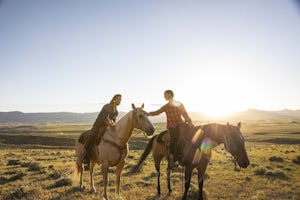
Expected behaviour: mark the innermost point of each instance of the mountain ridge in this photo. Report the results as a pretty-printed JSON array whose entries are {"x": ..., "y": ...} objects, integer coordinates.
[{"x": 72, "y": 117}]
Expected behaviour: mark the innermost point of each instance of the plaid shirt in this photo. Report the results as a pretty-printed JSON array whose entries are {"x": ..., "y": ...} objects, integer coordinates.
[{"x": 174, "y": 113}]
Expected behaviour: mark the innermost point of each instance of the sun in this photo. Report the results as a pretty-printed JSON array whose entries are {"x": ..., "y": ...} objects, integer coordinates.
[{"x": 218, "y": 93}]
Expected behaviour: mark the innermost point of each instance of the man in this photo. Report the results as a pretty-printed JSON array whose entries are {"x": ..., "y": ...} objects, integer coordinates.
[
  {"x": 106, "y": 118},
  {"x": 174, "y": 111}
]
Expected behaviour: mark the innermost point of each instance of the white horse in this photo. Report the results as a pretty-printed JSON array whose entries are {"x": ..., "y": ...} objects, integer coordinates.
[{"x": 113, "y": 148}]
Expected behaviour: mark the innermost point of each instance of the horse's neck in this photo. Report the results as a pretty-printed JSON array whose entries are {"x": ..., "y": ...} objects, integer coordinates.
[
  {"x": 123, "y": 129},
  {"x": 216, "y": 134}
]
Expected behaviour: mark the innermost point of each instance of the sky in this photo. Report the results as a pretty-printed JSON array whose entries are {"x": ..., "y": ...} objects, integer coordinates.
[{"x": 217, "y": 56}]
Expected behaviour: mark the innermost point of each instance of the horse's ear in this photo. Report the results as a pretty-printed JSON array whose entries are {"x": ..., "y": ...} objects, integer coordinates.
[
  {"x": 142, "y": 106},
  {"x": 133, "y": 106},
  {"x": 239, "y": 125},
  {"x": 227, "y": 124}
]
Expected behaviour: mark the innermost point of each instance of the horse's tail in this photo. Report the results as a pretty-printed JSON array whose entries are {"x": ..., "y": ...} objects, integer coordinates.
[
  {"x": 79, "y": 149},
  {"x": 144, "y": 155}
]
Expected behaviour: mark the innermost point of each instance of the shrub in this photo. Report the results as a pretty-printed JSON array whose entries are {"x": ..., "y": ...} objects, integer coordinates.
[
  {"x": 17, "y": 177},
  {"x": 276, "y": 174},
  {"x": 275, "y": 159},
  {"x": 51, "y": 167},
  {"x": 34, "y": 167},
  {"x": 259, "y": 171},
  {"x": 63, "y": 182},
  {"x": 54, "y": 175},
  {"x": 19, "y": 194},
  {"x": 296, "y": 160},
  {"x": 13, "y": 162},
  {"x": 25, "y": 164},
  {"x": 3, "y": 180}
]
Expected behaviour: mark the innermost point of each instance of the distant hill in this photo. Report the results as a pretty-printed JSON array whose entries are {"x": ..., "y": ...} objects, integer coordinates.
[
  {"x": 69, "y": 117},
  {"x": 253, "y": 114}
]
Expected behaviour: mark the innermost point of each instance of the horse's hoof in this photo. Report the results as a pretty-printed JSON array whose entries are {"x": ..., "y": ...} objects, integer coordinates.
[
  {"x": 105, "y": 197},
  {"x": 94, "y": 191},
  {"x": 81, "y": 188}
]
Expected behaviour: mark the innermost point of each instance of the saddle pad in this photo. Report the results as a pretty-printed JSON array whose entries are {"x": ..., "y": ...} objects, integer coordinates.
[{"x": 85, "y": 135}]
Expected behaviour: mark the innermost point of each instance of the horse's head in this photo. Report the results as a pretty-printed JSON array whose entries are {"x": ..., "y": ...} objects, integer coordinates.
[
  {"x": 142, "y": 121},
  {"x": 234, "y": 144}
]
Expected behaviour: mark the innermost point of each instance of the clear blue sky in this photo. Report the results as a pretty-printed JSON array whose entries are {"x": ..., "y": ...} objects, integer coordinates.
[{"x": 217, "y": 56}]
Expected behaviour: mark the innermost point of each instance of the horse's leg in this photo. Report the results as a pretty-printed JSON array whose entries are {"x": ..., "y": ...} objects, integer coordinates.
[
  {"x": 201, "y": 171},
  {"x": 157, "y": 167},
  {"x": 200, "y": 184},
  {"x": 169, "y": 169},
  {"x": 119, "y": 168},
  {"x": 105, "y": 167},
  {"x": 80, "y": 171},
  {"x": 187, "y": 178},
  {"x": 93, "y": 189}
]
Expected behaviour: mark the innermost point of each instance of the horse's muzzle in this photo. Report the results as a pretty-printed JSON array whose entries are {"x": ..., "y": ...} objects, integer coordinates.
[
  {"x": 244, "y": 163},
  {"x": 149, "y": 131}
]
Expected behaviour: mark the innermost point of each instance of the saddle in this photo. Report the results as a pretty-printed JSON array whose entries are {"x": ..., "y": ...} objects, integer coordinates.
[
  {"x": 164, "y": 137},
  {"x": 186, "y": 136}
]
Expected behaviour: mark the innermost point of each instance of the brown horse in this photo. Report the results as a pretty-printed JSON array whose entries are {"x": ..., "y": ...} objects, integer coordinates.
[
  {"x": 197, "y": 143},
  {"x": 113, "y": 149}
]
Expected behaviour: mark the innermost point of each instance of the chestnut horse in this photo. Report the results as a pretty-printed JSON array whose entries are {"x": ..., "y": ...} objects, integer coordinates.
[
  {"x": 113, "y": 149},
  {"x": 197, "y": 143}
]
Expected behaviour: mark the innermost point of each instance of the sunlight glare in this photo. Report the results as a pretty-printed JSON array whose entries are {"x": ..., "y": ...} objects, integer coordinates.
[{"x": 219, "y": 93}]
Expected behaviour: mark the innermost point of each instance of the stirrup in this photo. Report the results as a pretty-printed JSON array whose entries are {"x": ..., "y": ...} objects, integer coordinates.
[{"x": 176, "y": 163}]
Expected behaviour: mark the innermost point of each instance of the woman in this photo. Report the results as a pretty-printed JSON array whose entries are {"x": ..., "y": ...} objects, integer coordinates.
[{"x": 106, "y": 118}]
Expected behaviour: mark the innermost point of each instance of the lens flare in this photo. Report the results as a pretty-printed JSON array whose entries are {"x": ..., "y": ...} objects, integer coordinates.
[
  {"x": 204, "y": 149},
  {"x": 206, "y": 145}
]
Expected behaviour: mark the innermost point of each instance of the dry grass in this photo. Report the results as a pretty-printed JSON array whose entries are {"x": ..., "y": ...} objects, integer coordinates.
[{"x": 32, "y": 170}]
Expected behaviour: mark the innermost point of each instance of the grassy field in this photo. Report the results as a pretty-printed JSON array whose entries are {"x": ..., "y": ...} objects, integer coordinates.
[{"x": 36, "y": 162}]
